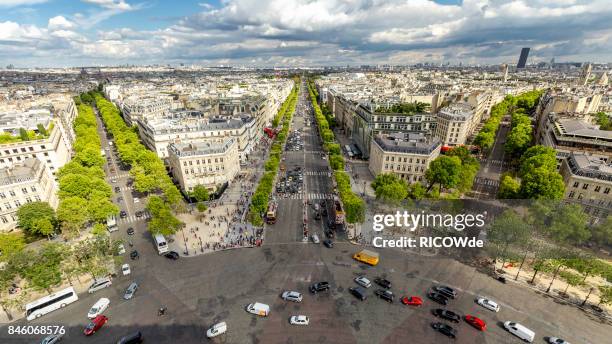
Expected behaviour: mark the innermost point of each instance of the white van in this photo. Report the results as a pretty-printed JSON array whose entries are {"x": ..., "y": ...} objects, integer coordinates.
[
  {"x": 217, "y": 330},
  {"x": 98, "y": 284},
  {"x": 520, "y": 331},
  {"x": 258, "y": 309}
]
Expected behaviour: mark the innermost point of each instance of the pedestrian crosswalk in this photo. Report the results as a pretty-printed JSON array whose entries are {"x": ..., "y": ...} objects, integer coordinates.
[
  {"x": 492, "y": 162},
  {"x": 133, "y": 218},
  {"x": 314, "y": 152},
  {"x": 486, "y": 181},
  {"x": 317, "y": 173},
  {"x": 311, "y": 196}
]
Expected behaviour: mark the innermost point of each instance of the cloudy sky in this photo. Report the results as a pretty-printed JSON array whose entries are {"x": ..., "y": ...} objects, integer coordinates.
[{"x": 301, "y": 32}]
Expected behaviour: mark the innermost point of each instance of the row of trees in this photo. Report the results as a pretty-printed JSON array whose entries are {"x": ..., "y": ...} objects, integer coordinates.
[
  {"x": 521, "y": 240},
  {"x": 486, "y": 137},
  {"x": 147, "y": 170},
  {"x": 354, "y": 206},
  {"x": 84, "y": 195},
  {"x": 537, "y": 177},
  {"x": 455, "y": 170},
  {"x": 261, "y": 196},
  {"x": 43, "y": 269},
  {"x": 404, "y": 108},
  {"x": 603, "y": 120},
  {"x": 521, "y": 134}
]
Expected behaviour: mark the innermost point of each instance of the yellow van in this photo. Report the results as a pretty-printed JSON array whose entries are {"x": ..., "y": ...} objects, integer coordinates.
[{"x": 366, "y": 256}]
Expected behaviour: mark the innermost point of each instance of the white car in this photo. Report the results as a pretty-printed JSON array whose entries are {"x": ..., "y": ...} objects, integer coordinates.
[
  {"x": 555, "y": 340},
  {"x": 488, "y": 304},
  {"x": 364, "y": 282},
  {"x": 121, "y": 249},
  {"x": 299, "y": 320},
  {"x": 125, "y": 269},
  {"x": 292, "y": 296},
  {"x": 98, "y": 308},
  {"x": 216, "y": 330}
]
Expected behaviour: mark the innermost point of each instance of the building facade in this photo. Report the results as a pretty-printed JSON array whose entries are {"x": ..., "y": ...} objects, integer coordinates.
[{"x": 206, "y": 163}]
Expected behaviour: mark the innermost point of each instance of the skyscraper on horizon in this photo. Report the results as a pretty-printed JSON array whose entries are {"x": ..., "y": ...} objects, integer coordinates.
[{"x": 522, "y": 62}]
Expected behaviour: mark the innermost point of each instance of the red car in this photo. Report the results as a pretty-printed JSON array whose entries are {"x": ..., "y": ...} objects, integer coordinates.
[
  {"x": 412, "y": 301},
  {"x": 95, "y": 325},
  {"x": 476, "y": 322}
]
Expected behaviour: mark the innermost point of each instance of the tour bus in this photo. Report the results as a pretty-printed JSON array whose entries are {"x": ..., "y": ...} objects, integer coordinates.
[
  {"x": 50, "y": 303},
  {"x": 271, "y": 213},
  {"x": 160, "y": 242}
]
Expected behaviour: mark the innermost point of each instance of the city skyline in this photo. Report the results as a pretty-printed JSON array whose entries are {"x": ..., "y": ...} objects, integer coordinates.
[{"x": 41, "y": 33}]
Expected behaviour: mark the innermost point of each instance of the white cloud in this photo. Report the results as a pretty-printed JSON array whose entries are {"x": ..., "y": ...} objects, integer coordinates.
[
  {"x": 59, "y": 22},
  {"x": 15, "y": 3},
  {"x": 120, "y": 5}
]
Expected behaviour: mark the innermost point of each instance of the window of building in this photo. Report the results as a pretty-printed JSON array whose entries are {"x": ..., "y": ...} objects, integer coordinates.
[
  {"x": 42, "y": 147},
  {"x": 571, "y": 194},
  {"x": 31, "y": 148},
  {"x": 580, "y": 196},
  {"x": 12, "y": 193},
  {"x": 3, "y": 218},
  {"x": 24, "y": 190},
  {"x": 23, "y": 150},
  {"x": 607, "y": 191},
  {"x": 46, "y": 154},
  {"x": 2, "y": 195},
  {"x": 17, "y": 203},
  {"x": 28, "y": 200},
  {"x": 597, "y": 188},
  {"x": 37, "y": 198},
  {"x": 585, "y": 186}
]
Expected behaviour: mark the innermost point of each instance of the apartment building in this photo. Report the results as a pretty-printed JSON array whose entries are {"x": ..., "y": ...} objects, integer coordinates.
[
  {"x": 188, "y": 126},
  {"x": 407, "y": 155},
  {"x": 580, "y": 101},
  {"x": 588, "y": 182},
  {"x": 455, "y": 123},
  {"x": 24, "y": 182},
  {"x": 136, "y": 107},
  {"x": 573, "y": 132},
  {"x": 204, "y": 163}
]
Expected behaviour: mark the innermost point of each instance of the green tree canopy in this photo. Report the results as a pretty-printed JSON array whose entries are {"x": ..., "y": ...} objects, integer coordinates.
[
  {"x": 30, "y": 215},
  {"x": 444, "y": 170}
]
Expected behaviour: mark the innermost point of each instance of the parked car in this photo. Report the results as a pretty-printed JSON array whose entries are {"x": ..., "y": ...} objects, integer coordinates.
[
  {"x": 359, "y": 293},
  {"x": 134, "y": 338},
  {"x": 439, "y": 298},
  {"x": 125, "y": 269},
  {"x": 292, "y": 296},
  {"x": 52, "y": 339},
  {"x": 120, "y": 249},
  {"x": 319, "y": 286},
  {"x": 412, "y": 300},
  {"x": 130, "y": 291},
  {"x": 172, "y": 255},
  {"x": 555, "y": 340},
  {"x": 95, "y": 325},
  {"x": 117, "y": 189},
  {"x": 315, "y": 238},
  {"x": 100, "y": 283},
  {"x": 444, "y": 329},
  {"x": 139, "y": 213},
  {"x": 488, "y": 304},
  {"x": 446, "y": 314},
  {"x": 130, "y": 231},
  {"x": 123, "y": 214},
  {"x": 299, "y": 320},
  {"x": 98, "y": 308},
  {"x": 476, "y": 322},
  {"x": 134, "y": 255},
  {"x": 520, "y": 331},
  {"x": 217, "y": 330},
  {"x": 446, "y": 291},
  {"x": 386, "y": 295},
  {"x": 328, "y": 243},
  {"x": 363, "y": 281},
  {"x": 383, "y": 282}
]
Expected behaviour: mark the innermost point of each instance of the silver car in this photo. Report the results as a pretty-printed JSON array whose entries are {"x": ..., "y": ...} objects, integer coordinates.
[
  {"x": 52, "y": 339},
  {"x": 292, "y": 296},
  {"x": 130, "y": 291},
  {"x": 364, "y": 282}
]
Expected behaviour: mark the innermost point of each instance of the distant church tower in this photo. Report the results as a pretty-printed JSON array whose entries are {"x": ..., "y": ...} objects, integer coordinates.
[
  {"x": 586, "y": 73},
  {"x": 603, "y": 79},
  {"x": 504, "y": 70}
]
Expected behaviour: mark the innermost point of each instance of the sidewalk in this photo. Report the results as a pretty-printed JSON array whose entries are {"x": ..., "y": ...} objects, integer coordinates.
[{"x": 224, "y": 224}]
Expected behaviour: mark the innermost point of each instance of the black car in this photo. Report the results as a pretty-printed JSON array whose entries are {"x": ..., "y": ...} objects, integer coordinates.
[
  {"x": 134, "y": 338},
  {"x": 446, "y": 314},
  {"x": 117, "y": 189},
  {"x": 386, "y": 295},
  {"x": 446, "y": 291},
  {"x": 439, "y": 298},
  {"x": 130, "y": 231},
  {"x": 359, "y": 293},
  {"x": 383, "y": 282},
  {"x": 444, "y": 329},
  {"x": 331, "y": 225},
  {"x": 139, "y": 213},
  {"x": 134, "y": 255},
  {"x": 172, "y": 255},
  {"x": 319, "y": 286},
  {"x": 329, "y": 233},
  {"x": 123, "y": 214},
  {"x": 328, "y": 243}
]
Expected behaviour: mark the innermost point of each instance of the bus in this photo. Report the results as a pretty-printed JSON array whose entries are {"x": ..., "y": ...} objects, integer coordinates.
[
  {"x": 271, "y": 213},
  {"x": 50, "y": 303},
  {"x": 160, "y": 243}
]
